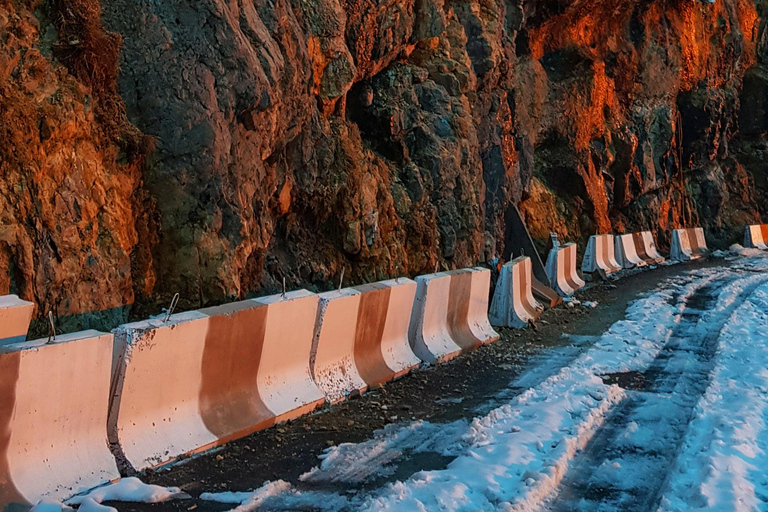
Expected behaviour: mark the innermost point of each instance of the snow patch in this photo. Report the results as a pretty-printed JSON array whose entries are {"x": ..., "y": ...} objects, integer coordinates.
[
  {"x": 278, "y": 495},
  {"x": 740, "y": 250},
  {"x": 49, "y": 505},
  {"x": 129, "y": 490},
  {"x": 723, "y": 462}
]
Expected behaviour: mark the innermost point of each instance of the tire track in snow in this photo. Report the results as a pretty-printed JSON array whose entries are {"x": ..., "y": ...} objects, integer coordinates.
[{"x": 627, "y": 462}]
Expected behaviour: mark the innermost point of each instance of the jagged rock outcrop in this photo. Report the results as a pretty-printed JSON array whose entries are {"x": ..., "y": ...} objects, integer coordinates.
[
  {"x": 294, "y": 138},
  {"x": 70, "y": 168}
]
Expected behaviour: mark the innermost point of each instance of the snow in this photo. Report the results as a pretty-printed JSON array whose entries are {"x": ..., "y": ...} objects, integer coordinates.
[
  {"x": 127, "y": 490},
  {"x": 740, "y": 250},
  {"x": 131, "y": 490},
  {"x": 724, "y": 461},
  {"x": 91, "y": 505},
  {"x": 278, "y": 495},
  {"x": 49, "y": 505}
]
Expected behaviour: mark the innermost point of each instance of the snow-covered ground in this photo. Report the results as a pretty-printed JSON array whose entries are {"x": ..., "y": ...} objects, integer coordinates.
[{"x": 667, "y": 410}]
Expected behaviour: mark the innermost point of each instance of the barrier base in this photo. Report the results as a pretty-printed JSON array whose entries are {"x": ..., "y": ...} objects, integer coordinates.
[{"x": 544, "y": 294}]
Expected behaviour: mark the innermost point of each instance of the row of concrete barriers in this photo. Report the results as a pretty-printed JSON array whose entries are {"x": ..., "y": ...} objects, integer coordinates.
[
  {"x": 513, "y": 303},
  {"x": 610, "y": 253},
  {"x": 152, "y": 391},
  {"x": 82, "y": 409}
]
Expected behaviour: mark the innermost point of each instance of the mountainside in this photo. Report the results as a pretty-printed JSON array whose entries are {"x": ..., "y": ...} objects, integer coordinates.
[{"x": 213, "y": 148}]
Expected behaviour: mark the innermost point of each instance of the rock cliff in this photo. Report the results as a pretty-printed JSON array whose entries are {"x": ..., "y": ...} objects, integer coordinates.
[{"x": 213, "y": 148}]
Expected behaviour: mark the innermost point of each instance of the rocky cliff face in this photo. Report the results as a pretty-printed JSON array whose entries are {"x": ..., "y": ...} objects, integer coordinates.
[{"x": 244, "y": 142}]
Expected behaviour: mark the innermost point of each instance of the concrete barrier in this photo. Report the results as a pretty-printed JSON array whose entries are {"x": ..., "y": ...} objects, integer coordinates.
[
  {"x": 698, "y": 241},
  {"x": 206, "y": 377},
  {"x": 688, "y": 244},
  {"x": 513, "y": 304},
  {"x": 600, "y": 255},
  {"x": 561, "y": 269},
  {"x": 571, "y": 267},
  {"x": 361, "y": 337},
  {"x": 756, "y": 236},
  {"x": 54, "y": 399},
  {"x": 15, "y": 315},
  {"x": 450, "y": 314},
  {"x": 626, "y": 254},
  {"x": 753, "y": 237},
  {"x": 650, "y": 247},
  {"x": 284, "y": 379},
  {"x": 471, "y": 313},
  {"x": 641, "y": 250}
]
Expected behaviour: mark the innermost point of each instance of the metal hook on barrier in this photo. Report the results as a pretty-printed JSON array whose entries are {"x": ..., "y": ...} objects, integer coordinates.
[
  {"x": 283, "y": 287},
  {"x": 52, "y": 335},
  {"x": 174, "y": 303},
  {"x": 341, "y": 279}
]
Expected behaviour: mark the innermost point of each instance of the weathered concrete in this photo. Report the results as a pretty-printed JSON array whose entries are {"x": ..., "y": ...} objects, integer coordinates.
[
  {"x": 513, "y": 304},
  {"x": 54, "y": 399}
]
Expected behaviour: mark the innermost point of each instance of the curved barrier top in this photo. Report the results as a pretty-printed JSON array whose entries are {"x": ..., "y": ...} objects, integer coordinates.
[
  {"x": 756, "y": 236},
  {"x": 513, "y": 304},
  {"x": 361, "y": 338},
  {"x": 54, "y": 399},
  {"x": 600, "y": 255},
  {"x": 450, "y": 314},
  {"x": 15, "y": 315},
  {"x": 206, "y": 377}
]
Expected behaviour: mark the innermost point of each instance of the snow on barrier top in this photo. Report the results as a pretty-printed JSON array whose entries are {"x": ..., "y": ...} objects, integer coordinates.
[
  {"x": 15, "y": 315},
  {"x": 688, "y": 244},
  {"x": 513, "y": 304},
  {"x": 626, "y": 252},
  {"x": 561, "y": 269},
  {"x": 756, "y": 236},
  {"x": 361, "y": 337},
  {"x": 450, "y": 314},
  {"x": 54, "y": 399},
  {"x": 206, "y": 377},
  {"x": 600, "y": 255}
]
